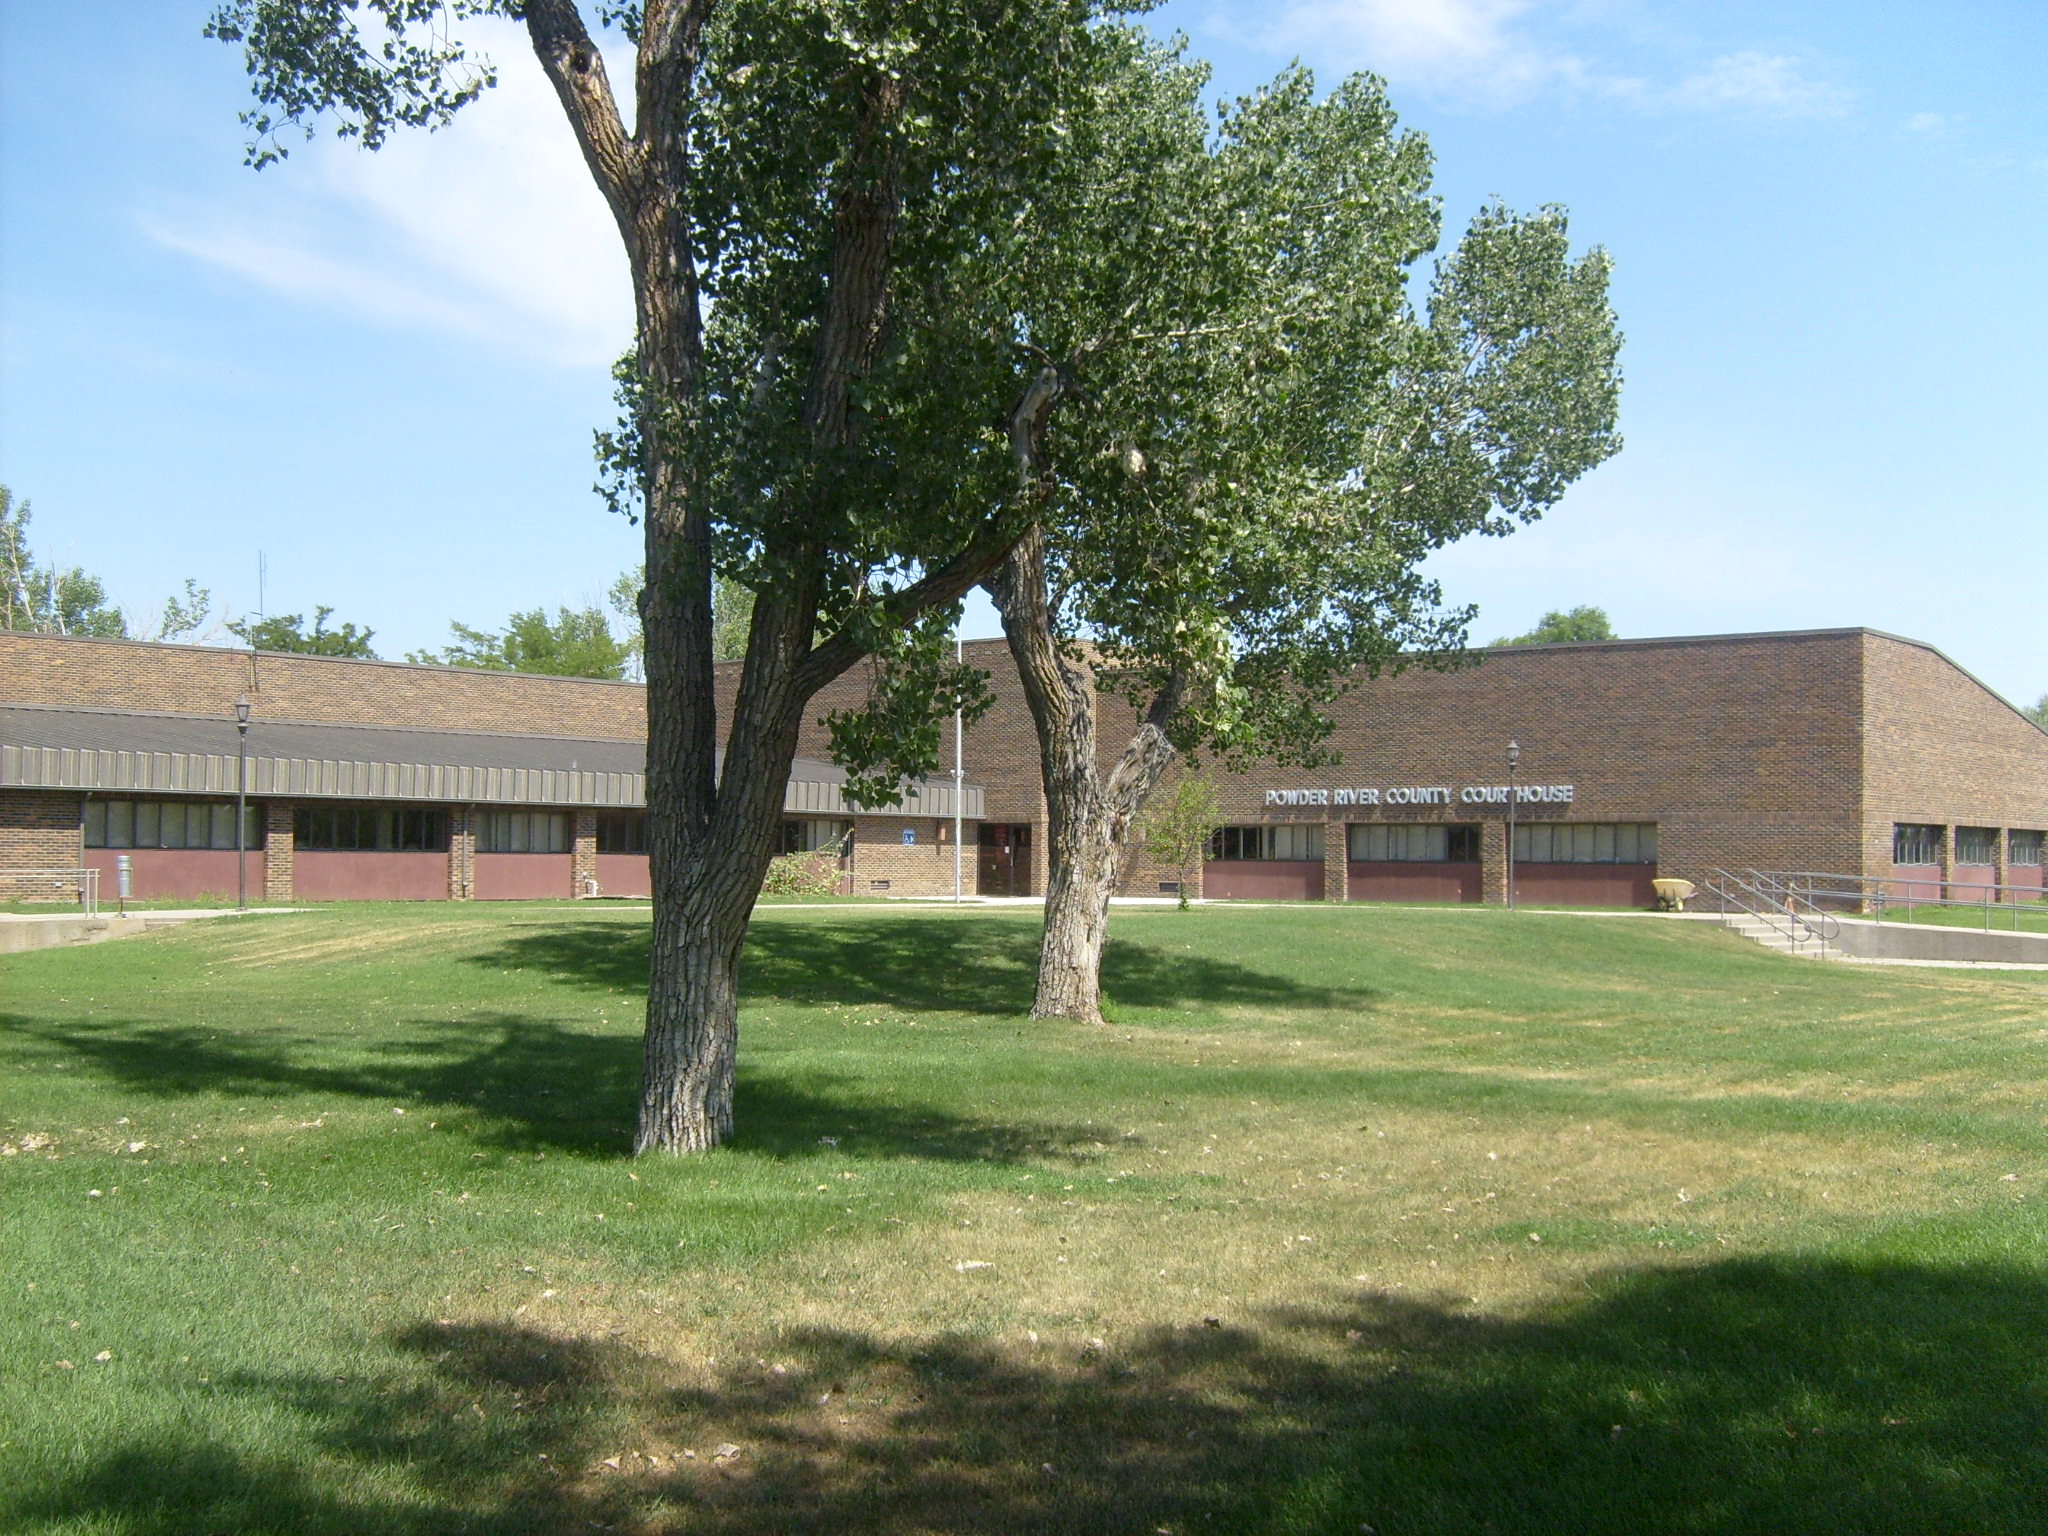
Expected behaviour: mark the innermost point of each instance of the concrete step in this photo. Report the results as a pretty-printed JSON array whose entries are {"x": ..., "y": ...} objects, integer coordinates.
[{"x": 1776, "y": 936}]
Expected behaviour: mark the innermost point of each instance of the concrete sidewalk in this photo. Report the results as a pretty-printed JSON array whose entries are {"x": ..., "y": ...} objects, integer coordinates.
[{"x": 20, "y": 931}]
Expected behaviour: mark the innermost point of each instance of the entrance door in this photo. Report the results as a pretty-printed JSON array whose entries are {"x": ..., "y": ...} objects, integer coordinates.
[{"x": 1003, "y": 867}]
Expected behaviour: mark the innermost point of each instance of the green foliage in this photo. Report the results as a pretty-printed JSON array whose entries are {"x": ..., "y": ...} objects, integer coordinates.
[
  {"x": 373, "y": 67},
  {"x": 732, "y": 615},
  {"x": 812, "y": 874},
  {"x": 288, "y": 632},
  {"x": 49, "y": 599},
  {"x": 2038, "y": 713},
  {"x": 577, "y": 642},
  {"x": 1554, "y": 628},
  {"x": 1264, "y": 440},
  {"x": 185, "y": 613},
  {"x": 1175, "y": 831}
]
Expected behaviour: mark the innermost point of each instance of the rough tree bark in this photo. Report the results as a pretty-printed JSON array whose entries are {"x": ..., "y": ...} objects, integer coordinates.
[{"x": 1089, "y": 812}]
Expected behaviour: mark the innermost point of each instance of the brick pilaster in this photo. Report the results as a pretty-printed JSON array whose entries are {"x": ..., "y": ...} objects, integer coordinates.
[
  {"x": 1336, "y": 861},
  {"x": 280, "y": 852},
  {"x": 582, "y": 851},
  {"x": 1948, "y": 861},
  {"x": 461, "y": 853},
  {"x": 1493, "y": 863}
]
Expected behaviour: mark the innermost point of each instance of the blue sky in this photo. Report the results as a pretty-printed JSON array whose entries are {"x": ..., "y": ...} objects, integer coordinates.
[{"x": 382, "y": 371}]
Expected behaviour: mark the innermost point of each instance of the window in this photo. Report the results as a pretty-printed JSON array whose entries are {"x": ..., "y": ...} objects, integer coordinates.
[
  {"x": 346, "y": 828},
  {"x": 1915, "y": 844},
  {"x": 622, "y": 832},
  {"x": 522, "y": 832},
  {"x": 1414, "y": 844},
  {"x": 1587, "y": 842},
  {"x": 2024, "y": 848},
  {"x": 1292, "y": 841},
  {"x": 168, "y": 824},
  {"x": 1976, "y": 845},
  {"x": 816, "y": 834}
]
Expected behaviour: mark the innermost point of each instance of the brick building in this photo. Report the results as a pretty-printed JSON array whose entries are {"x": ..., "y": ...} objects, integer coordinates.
[{"x": 1845, "y": 751}]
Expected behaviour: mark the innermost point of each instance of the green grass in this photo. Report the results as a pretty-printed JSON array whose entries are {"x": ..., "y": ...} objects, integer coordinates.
[
  {"x": 2005, "y": 917},
  {"x": 1428, "y": 1221}
]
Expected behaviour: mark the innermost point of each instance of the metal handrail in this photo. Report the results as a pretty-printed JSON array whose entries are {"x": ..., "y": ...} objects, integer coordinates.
[
  {"x": 1774, "y": 903},
  {"x": 84, "y": 883},
  {"x": 1877, "y": 893}
]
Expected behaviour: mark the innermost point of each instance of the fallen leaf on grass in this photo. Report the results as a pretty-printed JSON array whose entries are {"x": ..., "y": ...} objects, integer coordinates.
[{"x": 966, "y": 1264}]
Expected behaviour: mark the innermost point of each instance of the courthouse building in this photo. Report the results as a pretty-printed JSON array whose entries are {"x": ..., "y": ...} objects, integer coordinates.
[{"x": 1846, "y": 751}]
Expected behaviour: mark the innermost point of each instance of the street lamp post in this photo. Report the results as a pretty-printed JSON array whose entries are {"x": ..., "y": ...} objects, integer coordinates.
[
  {"x": 242, "y": 803},
  {"x": 1514, "y": 762}
]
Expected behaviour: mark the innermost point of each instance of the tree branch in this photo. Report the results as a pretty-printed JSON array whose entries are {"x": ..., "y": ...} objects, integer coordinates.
[{"x": 562, "y": 44}]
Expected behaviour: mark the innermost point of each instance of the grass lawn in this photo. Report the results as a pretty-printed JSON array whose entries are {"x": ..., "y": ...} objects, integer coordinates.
[{"x": 1422, "y": 1222}]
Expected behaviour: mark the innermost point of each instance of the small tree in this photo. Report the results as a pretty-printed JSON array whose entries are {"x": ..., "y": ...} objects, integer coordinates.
[
  {"x": 577, "y": 642},
  {"x": 1176, "y": 831},
  {"x": 1554, "y": 628},
  {"x": 2039, "y": 713},
  {"x": 288, "y": 632}
]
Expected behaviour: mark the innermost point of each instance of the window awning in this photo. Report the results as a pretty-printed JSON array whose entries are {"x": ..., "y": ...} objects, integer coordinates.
[{"x": 132, "y": 752}]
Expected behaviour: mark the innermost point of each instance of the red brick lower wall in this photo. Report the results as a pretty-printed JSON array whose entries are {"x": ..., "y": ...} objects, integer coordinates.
[
  {"x": 1381, "y": 881},
  {"x": 522, "y": 876},
  {"x": 623, "y": 874},
  {"x": 1915, "y": 882},
  {"x": 339, "y": 876},
  {"x": 176, "y": 874},
  {"x": 1586, "y": 885},
  {"x": 1262, "y": 880}
]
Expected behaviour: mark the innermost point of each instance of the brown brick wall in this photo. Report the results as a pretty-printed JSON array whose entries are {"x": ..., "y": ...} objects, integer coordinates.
[
  {"x": 1939, "y": 747},
  {"x": 879, "y": 854},
  {"x": 1744, "y": 750},
  {"x": 39, "y": 829},
  {"x": 200, "y": 680}
]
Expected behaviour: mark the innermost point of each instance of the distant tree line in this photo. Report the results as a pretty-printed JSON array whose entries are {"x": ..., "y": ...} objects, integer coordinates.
[
  {"x": 49, "y": 597},
  {"x": 1555, "y": 628}
]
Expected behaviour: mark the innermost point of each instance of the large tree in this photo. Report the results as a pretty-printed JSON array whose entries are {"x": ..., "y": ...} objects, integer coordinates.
[
  {"x": 819, "y": 406},
  {"x": 1261, "y": 443}
]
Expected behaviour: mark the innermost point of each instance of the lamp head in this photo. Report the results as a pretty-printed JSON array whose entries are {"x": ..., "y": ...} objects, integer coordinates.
[
  {"x": 1514, "y": 755},
  {"x": 242, "y": 710}
]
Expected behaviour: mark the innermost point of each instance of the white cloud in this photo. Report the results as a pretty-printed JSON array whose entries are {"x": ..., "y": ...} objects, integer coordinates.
[
  {"x": 490, "y": 228},
  {"x": 1500, "y": 52},
  {"x": 1767, "y": 84},
  {"x": 1455, "y": 46}
]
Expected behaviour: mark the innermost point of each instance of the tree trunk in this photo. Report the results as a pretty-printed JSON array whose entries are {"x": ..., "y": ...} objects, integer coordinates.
[
  {"x": 1089, "y": 813},
  {"x": 1080, "y": 876}
]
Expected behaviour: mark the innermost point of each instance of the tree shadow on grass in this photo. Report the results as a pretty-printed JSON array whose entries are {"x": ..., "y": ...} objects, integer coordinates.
[
  {"x": 532, "y": 1083},
  {"x": 1754, "y": 1396},
  {"x": 945, "y": 964}
]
